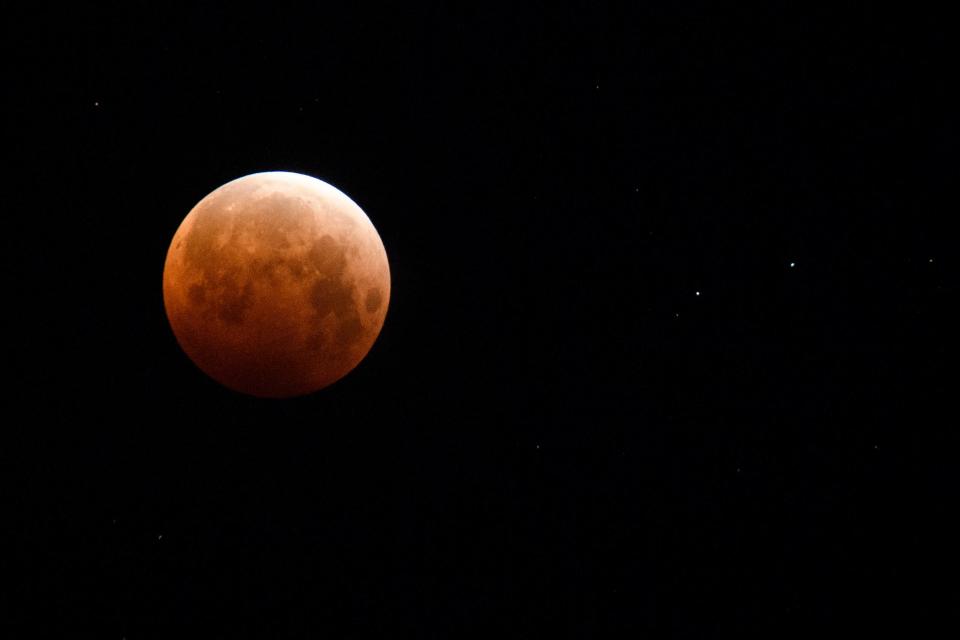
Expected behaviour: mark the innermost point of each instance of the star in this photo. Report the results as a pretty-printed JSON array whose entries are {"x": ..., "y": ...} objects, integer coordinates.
[
  {"x": 696, "y": 293},
  {"x": 793, "y": 264}
]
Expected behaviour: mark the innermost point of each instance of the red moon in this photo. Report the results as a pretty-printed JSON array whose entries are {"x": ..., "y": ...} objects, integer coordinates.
[{"x": 276, "y": 284}]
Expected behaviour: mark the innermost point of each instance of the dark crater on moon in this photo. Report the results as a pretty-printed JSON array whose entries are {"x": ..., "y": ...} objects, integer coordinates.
[
  {"x": 373, "y": 300},
  {"x": 332, "y": 293}
]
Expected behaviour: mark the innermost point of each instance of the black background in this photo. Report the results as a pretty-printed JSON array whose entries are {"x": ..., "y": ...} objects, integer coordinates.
[{"x": 554, "y": 434}]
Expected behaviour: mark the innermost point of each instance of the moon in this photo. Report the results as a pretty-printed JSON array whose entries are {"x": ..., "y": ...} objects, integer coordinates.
[{"x": 276, "y": 284}]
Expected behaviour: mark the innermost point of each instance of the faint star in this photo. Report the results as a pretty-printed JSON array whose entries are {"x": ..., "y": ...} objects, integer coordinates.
[{"x": 96, "y": 104}]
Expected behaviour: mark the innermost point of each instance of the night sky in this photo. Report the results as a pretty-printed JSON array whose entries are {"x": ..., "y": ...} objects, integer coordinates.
[{"x": 669, "y": 352}]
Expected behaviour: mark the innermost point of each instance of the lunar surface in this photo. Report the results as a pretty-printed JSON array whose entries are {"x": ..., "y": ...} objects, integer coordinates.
[{"x": 276, "y": 284}]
